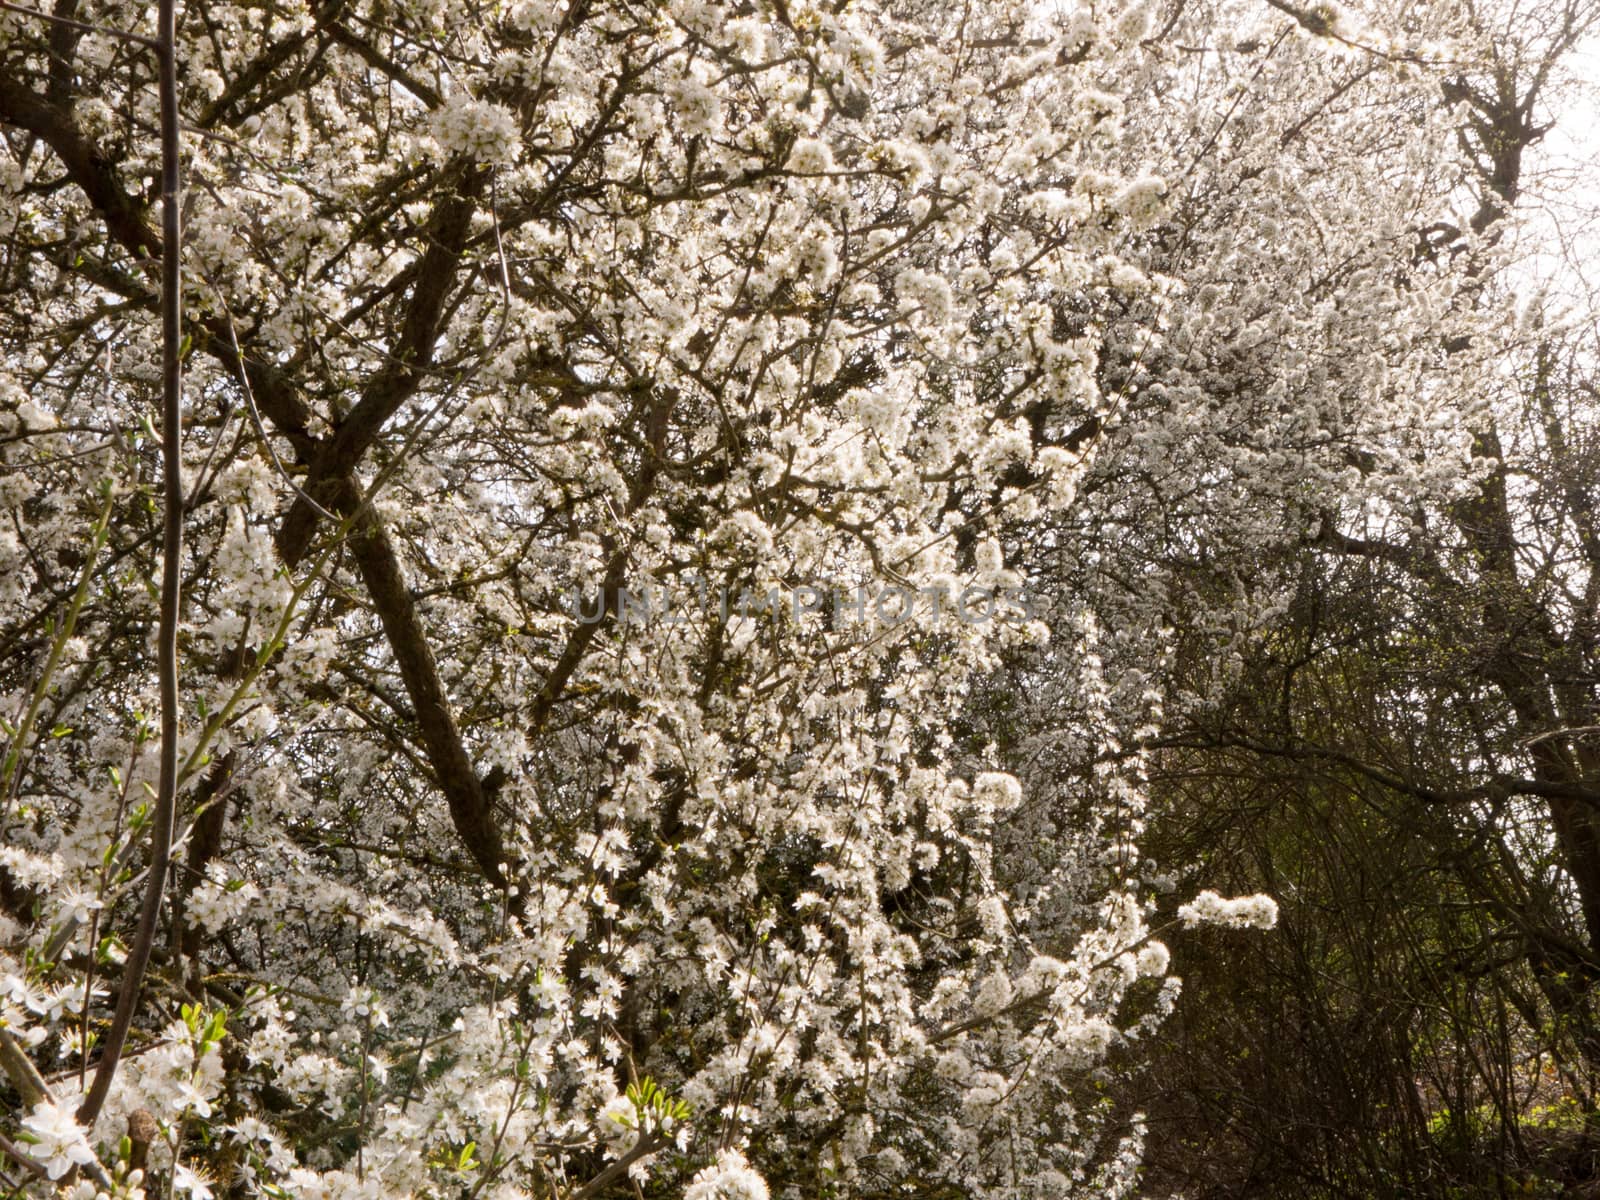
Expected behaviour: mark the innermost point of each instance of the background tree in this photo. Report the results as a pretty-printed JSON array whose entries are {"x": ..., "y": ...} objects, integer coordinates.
[{"x": 1401, "y": 752}]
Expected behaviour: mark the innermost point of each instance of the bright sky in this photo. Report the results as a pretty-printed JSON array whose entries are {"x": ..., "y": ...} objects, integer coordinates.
[{"x": 1566, "y": 175}]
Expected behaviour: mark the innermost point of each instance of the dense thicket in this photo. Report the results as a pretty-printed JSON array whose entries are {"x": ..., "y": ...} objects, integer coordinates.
[
  {"x": 707, "y": 524},
  {"x": 1406, "y": 756}
]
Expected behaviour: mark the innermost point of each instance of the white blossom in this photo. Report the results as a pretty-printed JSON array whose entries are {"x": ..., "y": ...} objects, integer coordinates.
[
  {"x": 730, "y": 1178},
  {"x": 56, "y": 1139},
  {"x": 1208, "y": 908},
  {"x": 482, "y": 131}
]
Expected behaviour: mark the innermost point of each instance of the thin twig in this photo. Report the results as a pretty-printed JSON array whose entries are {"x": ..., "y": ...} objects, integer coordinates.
[
  {"x": 19, "y": 1069},
  {"x": 21, "y": 1158},
  {"x": 255, "y": 414},
  {"x": 171, "y": 566}
]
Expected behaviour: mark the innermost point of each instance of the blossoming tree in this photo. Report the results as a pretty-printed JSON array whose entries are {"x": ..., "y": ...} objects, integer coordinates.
[{"x": 494, "y": 873}]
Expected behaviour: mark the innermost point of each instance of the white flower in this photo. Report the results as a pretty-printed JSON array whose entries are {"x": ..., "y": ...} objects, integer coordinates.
[
  {"x": 361, "y": 1003},
  {"x": 535, "y": 14},
  {"x": 1245, "y": 912},
  {"x": 919, "y": 289},
  {"x": 618, "y": 1120},
  {"x": 699, "y": 108},
  {"x": 1153, "y": 959},
  {"x": 1140, "y": 200},
  {"x": 731, "y": 1178},
  {"x": 810, "y": 157},
  {"x": 481, "y": 131},
  {"x": 34, "y": 418},
  {"x": 992, "y": 917},
  {"x": 15, "y": 989},
  {"x": 189, "y": 1098},
  {"x": 57, "y": 1138},
  {"x": 220, "y": 899},
  {"x": 816, "y": 259},
  {"x": 997, "y": 790},
  {"x": 185, "y": 1180},
  {"x": 747, "y": 39}
]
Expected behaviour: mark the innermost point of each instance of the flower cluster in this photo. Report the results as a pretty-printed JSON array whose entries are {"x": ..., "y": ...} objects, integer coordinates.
[
  {"x": 484, "y": 132},
  {"x": 1243, "y": 912}
]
